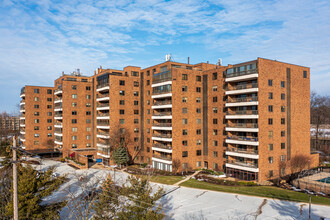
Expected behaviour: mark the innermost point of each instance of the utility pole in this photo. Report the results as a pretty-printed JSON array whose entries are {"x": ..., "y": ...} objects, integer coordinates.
[
  {"x": 310, "y": 206},
  {"x": 15, "y": 180}
]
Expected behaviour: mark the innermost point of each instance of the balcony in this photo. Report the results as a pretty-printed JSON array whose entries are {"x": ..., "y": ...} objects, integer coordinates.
[
  {"x": 103, "y": 116},
  {"x": 23, "y": 147},
  {"x": 162, "y": 115},
  {"x": 22, "y": 102},
  {"x": 58, "y": 100},
  {"x": 103, "y": 125},
  {"x": 22, "y": 132},
  {"x": 102, "y": 106},
  {"x": 253, "y": 141},
  {"x": 245, "y": 153},
  {"x": 162, "y": 93},
  {"x": 58, "y": 132},
  {"x": 102, "y": 97},
  {"x": 22, "y": 109},
  {"x": 22, "y": 125},
  {"x": 58, "y": 91},
  {"x": 243, "y": 127},
  {"x": 162, "y": 126},
  {"x": 103, "y": 144},
  {"x": 58, "y": 108},
  {"x": 233, "y": 102},
  {"x": 241, "y": 75},
  {"x": 102, "y": 154},
  {"x": 247, "y": 166},
  {"x": 103, "y": 135},
  {"x": 162, "y": 104},
  {"x": 239, "y": 89},
  {"x": 22, "y": 94},
  {"x": 58, "y": 125},
  {"x": 162, "y": 78},
  {"x": 102, "y": 87},
  {"x": 59, "y": 142},
  {"x": 162, "y": 137},
  {"x": 162, "y": 148},
  {"x": 244, "y": 114},
  {"x": 58, "y": 116}
]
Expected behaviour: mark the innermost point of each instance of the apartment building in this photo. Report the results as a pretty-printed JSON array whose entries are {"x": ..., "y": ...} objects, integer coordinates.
[
  {"x": 248, "y": 119},
  {"x": 9, "y": 123}
]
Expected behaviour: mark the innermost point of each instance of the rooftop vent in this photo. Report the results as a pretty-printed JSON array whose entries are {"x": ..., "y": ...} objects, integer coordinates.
[{"x": 168, "y": 57}]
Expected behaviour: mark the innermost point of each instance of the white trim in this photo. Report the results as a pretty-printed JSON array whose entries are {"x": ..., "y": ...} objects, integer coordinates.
[
  {"x": 162, "y": 117},
  {"x": 102, "y": 145},
  {"x": 160, "y": 160},
  {"x": 103, "y": 88},
  {"x": 162, "y": 83},
  {"x": 242, "y": 129},
  {"x": 161, "y": 139},
  {"x": 162, "y": 149},
  {"x": 23, "y": 147},
  {"x": 22, "y": 125},
  {"x": 58, "y": 126},
  {"x": 23, "y": 95},
  {"x": 58, "y": 109},
  {"x": 58, "y": 118},
  {"x": 59, "y": 143},
  {"x": 103, "y": 136},
  {"x": 22, "y": 118},
  {"x": 22, "y": 110},
  {"x": 242, "y": 116},
  {"x": 59, "y": 100},
  {"x": 58, "y": 134},
  {"x": 162, "y": 95},
  {"x": 58, "y": 92},
  {"x": 22, "y": 139},
  {"x": 22, "y": 103},
  {"x": 103, "y": 99},
  {"x": 161, "y": 128},
  {"x": 22, "y": 132},
  {"x": 161, "y": 106},
  {"x": 242, "y": 78},
  {"x": 103, "y": 155},
  {"x": 102, "y": 117},
  {"x": 255, "y": 170},
  {"x": 242, "y": 91},
  {"x": 103, "y": 126},
  {"x": 252, "y": 143},
  {"x": 103, "y": 108},
  {"x": 242, "y": 104},
  {"x": 245, "y": 155}
]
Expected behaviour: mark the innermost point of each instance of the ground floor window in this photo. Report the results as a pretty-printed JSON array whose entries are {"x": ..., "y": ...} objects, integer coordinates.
[
  {"x": 241, "y": 174},
  {"x": 162, "y": 166}
]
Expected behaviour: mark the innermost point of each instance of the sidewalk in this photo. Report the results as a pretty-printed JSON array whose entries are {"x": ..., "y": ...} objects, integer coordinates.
[{"x": 187, "y": 178}]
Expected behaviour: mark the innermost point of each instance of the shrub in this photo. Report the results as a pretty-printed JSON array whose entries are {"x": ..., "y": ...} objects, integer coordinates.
[{"x": 62, "y": 160}]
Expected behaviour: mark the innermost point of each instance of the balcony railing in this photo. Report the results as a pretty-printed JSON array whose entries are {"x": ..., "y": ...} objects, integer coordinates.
[
  {"x": 58, "y": 106},
  {"x": 162, "y": 135},
  {"x": 57, "y": 123},
  {"x": 102, "y": 95},
  {"x": 166, "y": 102},
  {"x": 103, "y": 133},
  {"x": 248, "y": 99},
  {"x": 162, "y": 124},
  {"x": 162, "y": 114},
  {"x": 242, "y": 73},
  {"x": 58, "y": 131},
  {"x": 103, "y": 123},
  {"x": 102, "y": 85},
  {"x": 102, "y": 114},
  {"x": 102, "y": 104},
  {"x": 169, "y": 158},
  {"x": 244, "y": 151},
  {"x": 22, "y": 101},
  {"x": 162, "y": 77},
  {"x": 243, "y": 112},
  {"x": 58, "y": 115},
  {"x": 22, "y": 107},
  {"x": 245, "y": 86},
  {"x": 107, "y": 143},
  {"x": 59, "y": 139},
  {"x": 163, "y": 146},
  {"x": 57, "y": 99},
  {"x": 158, "y": 92},
  {"x": 245, "y": 164},
  {"x": 242, "y": 138},
  {"x": 57, "y": 90},
  {"x": 243, "y": 125}
]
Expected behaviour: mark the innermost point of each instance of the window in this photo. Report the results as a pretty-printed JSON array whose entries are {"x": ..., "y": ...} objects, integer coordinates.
[
  {"x": 198, "y": 152},
  {"x": 49, "y": 113},
  {"x": 136, "y": 139},
  {"x": 198, "y": 163},
  {"x": 74, "y": 138},
  {"x": 184, "y": 121},
  {"x": 215, "y": 132},
  {"x": 49, "y": 91},
  {"x": 282, "y": 84},
  {"x": 282, "y": 96},
  {"x": 136, "y": 112},
  {"x": 36, "y": 142},
  {"x": 282, "y": 146},
  {"x": 88, "y": 96},
  {"x": 74, "y": 145},
  {"x": 36, "y": 106},
  {"x": 215, "y": 110},
  {"x": 74, "y": 113},
  {"x": 184, "y": 77},
  {"x": 305, "y": 74},
  {"x": 136, "y": 102},
  {"x": 270, "y": 134},
  {"x": 136, "y": 130},
  {"x": 215, "y": 166},
  {"x": 270, "y": 173},
  {"x": 215, "y": 143},
  {"x": 148, "y": 111},
  {"x": 270, "y": 160},
  {"x": 88, "y": 129},
  {"x": 121, "y": 92},
  {"x": 198, "y": 121},
  {"x": 270, "y": 147},
  {"x": 215, "y": 76},
  {"x": 282, "y": 133},
  {"x": 198, "y": 89},
  {"x": 185, "y": 143},
  {"x": 184, "y": 110},
  {"x": 49, "y": 120},
  {"x": 36, "y": 90},
  {"x": 199, "y": 110},
  {"x": 282, "y": 121},
  {"x": 88, "y": 121},
  {"x": 215, "y": 153},
  {"x": 88, "y": 88},
  {"x": 199, "y": 131},
  {"x": 121, "y": 82},
  {"x": 184, "y": 153},
  {"x": 282, "y": 157},
  {"x": 270, "y": 95},
  {"x": 215, "y": 99},
  {"x": 36, "y": 99},
  {"x": 270, "y": 121},
  {"x": 184, "y": 99},
  {"x": 74, "y": 129},
  {"x": 270, "y": 108},
  {"x": 49, "y": 99},
  {"x": 36, "y": 128},
  {"x": 49, "y": 106},
  {"x": 198, "y": 78},
  {"x": 136, "y": 93},
  {"x": 215, "y": 121},
  {"x": 184, "y": 132},
  {"x": 49, "y": 127},
  {"x": 148, "y": 121},
  {"x": 121, "y": 102},
  {"x": 74, "y": 104},
  {"x": 282, "y": 171},
  {"x": 148, "y": 72},
  {"x": 74, "y": 121},
  {"x": 134, "y": 73},
  {"x": 148, "y": 102},
  {"x": 270, "y": 82},
  {"x": 282, "y": 108},
  {"x": 148, "y": 82},
  {"x": 88, "y": 113},
  {"x": 199, "y": 142},
  {"x": 148, "y": 92},
  {"x": 88, "y": 145},
  {"x": 136, "y": 84},
  {"x": 121, "y": 111},
  {"x": 88, "y": 137},
  {"x": 74, "y": 87},
  {"x": 215, "y": 88},
  {"x": 36, "y": 113},
  {"x": 184, "y": 88},
  {"x": 136, "y": 121},
  {"x": 121, "y": 121},
  {"x": 198, "y": 100},
  {"x": 49, "y": 135}
]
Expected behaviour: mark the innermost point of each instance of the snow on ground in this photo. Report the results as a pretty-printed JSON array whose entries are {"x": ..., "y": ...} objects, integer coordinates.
[{"x": 188, "y": 203}]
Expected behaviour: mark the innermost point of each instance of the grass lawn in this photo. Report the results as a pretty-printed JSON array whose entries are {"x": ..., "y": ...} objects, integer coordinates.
[
  {"x": 262, "y": 191},
  {"x": 170, "y": 180}
]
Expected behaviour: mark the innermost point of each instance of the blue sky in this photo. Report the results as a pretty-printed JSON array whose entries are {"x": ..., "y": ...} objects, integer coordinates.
[{"x": 41, "y": 38}]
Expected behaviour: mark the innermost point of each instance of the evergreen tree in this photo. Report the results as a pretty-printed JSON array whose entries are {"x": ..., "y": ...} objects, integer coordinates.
[
  {"x": 33, "y": 187},
  {"x": 120, "y": 156}
]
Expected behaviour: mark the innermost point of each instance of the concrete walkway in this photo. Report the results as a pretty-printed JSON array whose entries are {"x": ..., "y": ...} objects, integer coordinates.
[{"x": 187, "y": 178}]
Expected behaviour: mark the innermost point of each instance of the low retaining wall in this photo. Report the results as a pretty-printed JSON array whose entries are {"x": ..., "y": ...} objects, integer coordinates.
[{"x": 311, "y": 183}]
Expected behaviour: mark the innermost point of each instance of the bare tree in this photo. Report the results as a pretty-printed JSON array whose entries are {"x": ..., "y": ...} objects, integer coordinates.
[
  {"x": 176, "y": 163},
  {"x": 299, "y": 162}
]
